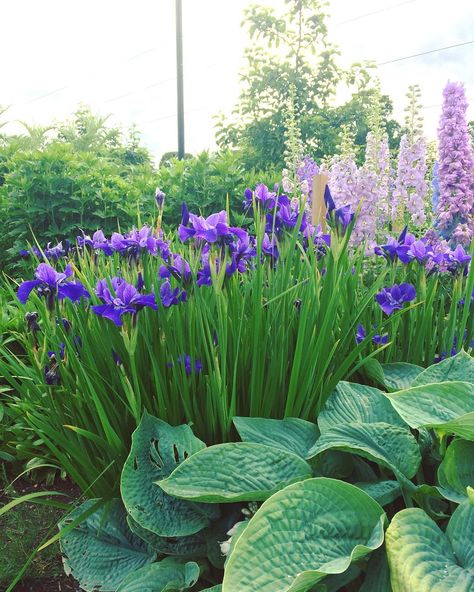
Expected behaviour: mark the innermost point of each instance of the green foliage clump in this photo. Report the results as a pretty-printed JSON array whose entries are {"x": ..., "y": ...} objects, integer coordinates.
[{"x": 376, "y": 496}]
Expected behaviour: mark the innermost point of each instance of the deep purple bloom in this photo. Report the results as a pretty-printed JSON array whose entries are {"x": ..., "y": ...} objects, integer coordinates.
[
  {"x": 420, "y": 251},
  {"x": 160, "y": 198},
  {"x": 377, "y": 338},
  {"x": 171, "y": 297},
  {"x": 177, "y": 267},
  {"x": 397, "y": 248},
  {"x": 459, "y": 257},
  {"x": 270, "y": 247},
  {"x": 184, "y": 214},
  {"x": 49, "y": 283},
  {"x": 123, "y": 299},
  {"x": 393, "y": 298},
  {"x": 137, "y": 241},
  {"x": 188, "y": 366},
  {"x": 209, "y": 229},
  {"x": 343, "y": 216}
]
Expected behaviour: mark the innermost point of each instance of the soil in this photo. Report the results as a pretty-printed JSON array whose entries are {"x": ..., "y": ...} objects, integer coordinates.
[{"x": 23, "y": 528}]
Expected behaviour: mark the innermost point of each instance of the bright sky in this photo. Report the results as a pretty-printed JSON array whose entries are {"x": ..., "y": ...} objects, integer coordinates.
[{"x": 119, "y": 57}]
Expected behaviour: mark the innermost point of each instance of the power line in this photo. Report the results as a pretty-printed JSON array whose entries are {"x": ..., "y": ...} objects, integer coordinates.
[
  {"x": 423, "y": 53},
  {"x": 379, "y": 11}
]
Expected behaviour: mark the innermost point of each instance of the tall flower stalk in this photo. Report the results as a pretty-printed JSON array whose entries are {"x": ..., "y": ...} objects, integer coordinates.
[{"x": 455, "y": 208}]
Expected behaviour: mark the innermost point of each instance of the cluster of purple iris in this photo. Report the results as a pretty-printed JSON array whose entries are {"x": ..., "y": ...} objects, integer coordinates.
[{"x": 434, "y": 254}]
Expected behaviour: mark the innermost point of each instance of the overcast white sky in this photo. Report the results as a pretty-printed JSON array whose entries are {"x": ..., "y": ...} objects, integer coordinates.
[{"x": 119, "y": 57}]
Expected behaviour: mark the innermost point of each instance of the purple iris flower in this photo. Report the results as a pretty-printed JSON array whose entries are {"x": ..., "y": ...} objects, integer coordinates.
[
  {"x": 270, "y": 247},
  {"x": 188, "y": 365},
  {"x": 57, "y": 251},
  {"x": 397, "y": 248},
  {"x": 419, "y": 251},
  {"x": 98, "y": 242},
  {"x": 288, "y": 216},
  {"x": 342, "y": 216},
  {"x": 160, "y": 198},
  {"x": 136, "y": 241},
  {"x": 459, "y": 258},
  {"x": 177, "y": 267},
  {"x": 393, "y": 298},
  {"x": 209, "y": 229},
  {"x": 124, "y": 299},
  {"x": 171, "y": 297},
  {"x": 377, "y": 338},
  {"x": 50, "y": 283}
]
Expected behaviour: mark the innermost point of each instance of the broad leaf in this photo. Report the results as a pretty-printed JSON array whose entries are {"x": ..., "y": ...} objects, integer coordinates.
[
  {"x": 458, "y": 368},
  {"x": 303, "y": 533},
  {"x": 423, "y": 558},
  {"x": 357, "y": 403},
  {"x": 157, "y": 449},
  {"x": 456, "y": 472},
  {"x": 447, "y": 406},
  {"x": 102, "y": 550},
  {"x": 166, "y": 576},
  {"x": 239, "y": 471},
  {"x": 400, "y": 375},
  {"x": 193, "y": 545},
  {"x": 383, "y": 492},
  {"x": 377, "y": 578},
  {"x": 291, "y": 434},
  {"x": 217, "y": 588},
  {"x": 387, "y": 445}
]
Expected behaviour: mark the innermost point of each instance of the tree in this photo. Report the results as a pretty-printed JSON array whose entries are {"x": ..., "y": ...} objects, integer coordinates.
[{"x": 292, "y": 50}]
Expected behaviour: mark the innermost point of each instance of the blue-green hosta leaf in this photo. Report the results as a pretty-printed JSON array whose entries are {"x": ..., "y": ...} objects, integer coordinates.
[
  {"x": 390, "y": 446},
  {"x": 167, "y": 575},
  {"x": 447, "y": 406},
  {"x": 383, "y": 492},
  {"x": 456, "y": 472},
  {"x": 193, "y": 545},
  {"x": 302, "y": 534},
  {"x": 424, "y": 559},
  {"x": 101, "y": 550},
  {"x": 400, "y": 375},
  {"x": 356, "y": 403},
  {"x": 458, "y": 368},
  {"x": 157, "y": 449},
  {"x": 239, "y": 471},
  {"x": 217, "y": 588},
  {"x": 377, "y": 576},
  {"x": 292, "y": 434}
]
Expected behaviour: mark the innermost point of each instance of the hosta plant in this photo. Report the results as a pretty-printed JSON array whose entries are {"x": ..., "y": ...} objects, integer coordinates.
[{"x": 377, "y": 496}]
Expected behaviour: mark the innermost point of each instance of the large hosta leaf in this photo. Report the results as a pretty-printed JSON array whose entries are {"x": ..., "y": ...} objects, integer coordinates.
[
  {"x": 424, "y": 559},
  {"x": 400, "y": 375},
  {"x": 303, "y": 533},
  {"x": 194, "y": 545},
  {"x": 157, "y": 449},
  {"x": 390, "y": 446},
  {"x": 166, "y": 576},
  {"x": 292, "y": 434},
  {"x": 447, "y": 406},
  {"x": 357, "y": 403},
  {"x": 383, "y": 492},
  {"x": 456, "y": 472},
  {"x": 238, "y": 471},
  {"x": 458, "y": 368},
  {"x": 102, "y": 550}
]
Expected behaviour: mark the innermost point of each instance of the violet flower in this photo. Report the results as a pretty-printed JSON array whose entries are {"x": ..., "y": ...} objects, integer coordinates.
[
  {"x": 177, "y": 267},
  {"x": 50, "y": 283},
  {"x": 377, "y": 338},
  {"x": 393, "y": 298},
  {"x": 171, "y": 297},
  {"x": 209, "y": 229},
  {"x": 123, "y": 299}
]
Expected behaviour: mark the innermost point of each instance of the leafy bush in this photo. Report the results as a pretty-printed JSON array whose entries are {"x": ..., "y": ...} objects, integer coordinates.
[{"x": 402, "y": 458}]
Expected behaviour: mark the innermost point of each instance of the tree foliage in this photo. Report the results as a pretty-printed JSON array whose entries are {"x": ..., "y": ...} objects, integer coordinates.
[{"x": 293, "y": 50}]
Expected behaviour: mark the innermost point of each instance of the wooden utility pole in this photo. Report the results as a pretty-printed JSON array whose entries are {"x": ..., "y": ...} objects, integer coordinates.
[{"x": 179, "y": 76}]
